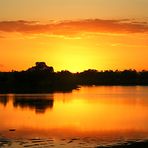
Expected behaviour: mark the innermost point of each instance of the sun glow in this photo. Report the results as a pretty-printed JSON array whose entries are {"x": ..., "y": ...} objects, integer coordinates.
[
  {"x": 74, "y": 58},
  {"x": 75, "y": 50}
]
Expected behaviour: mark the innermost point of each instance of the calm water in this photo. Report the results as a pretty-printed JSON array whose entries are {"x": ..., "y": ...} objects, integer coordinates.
[{"x": 103, "y": 114}]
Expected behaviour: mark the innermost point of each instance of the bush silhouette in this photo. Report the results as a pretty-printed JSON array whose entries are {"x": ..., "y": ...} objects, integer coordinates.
[{"x": 42, "y": 78}]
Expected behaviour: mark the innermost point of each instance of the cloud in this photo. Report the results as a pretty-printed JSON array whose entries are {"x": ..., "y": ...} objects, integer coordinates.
[{"x": 74, "y": 27}]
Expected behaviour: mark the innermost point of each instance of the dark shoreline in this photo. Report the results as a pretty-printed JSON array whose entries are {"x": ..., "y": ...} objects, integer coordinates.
[
  {"x": 130, "y": 144},
  {"x": 44, "y": 91},
  {"x": 6, "y": 142}
]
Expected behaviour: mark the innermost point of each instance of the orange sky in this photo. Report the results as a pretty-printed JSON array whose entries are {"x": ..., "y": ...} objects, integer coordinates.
[{"x": 74, "y": 35}]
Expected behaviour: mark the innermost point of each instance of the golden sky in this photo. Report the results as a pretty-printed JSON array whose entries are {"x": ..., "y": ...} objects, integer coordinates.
[{"x": 74, "y": 34}]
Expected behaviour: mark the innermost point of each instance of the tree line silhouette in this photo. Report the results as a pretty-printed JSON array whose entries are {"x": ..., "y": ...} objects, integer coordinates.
[{"x": 42, "y": 78}]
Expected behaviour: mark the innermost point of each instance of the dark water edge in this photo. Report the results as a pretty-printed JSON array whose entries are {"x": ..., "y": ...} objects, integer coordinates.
[
  {"x": 60, "y": 89},
  {"x": 73, "y": 142},
  {"x": 130, "y": 144},
  {"x": 25, "y": 90}
]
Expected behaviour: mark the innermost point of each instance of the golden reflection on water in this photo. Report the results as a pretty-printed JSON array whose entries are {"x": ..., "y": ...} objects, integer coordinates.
[{"x": 88, "y": 110}]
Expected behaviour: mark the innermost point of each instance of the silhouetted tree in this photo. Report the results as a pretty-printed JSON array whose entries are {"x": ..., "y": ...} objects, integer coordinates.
[{"x": 42, "y": 78}]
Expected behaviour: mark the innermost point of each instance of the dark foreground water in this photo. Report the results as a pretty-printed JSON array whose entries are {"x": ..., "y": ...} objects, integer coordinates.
[{"x": 89, "y": 117}]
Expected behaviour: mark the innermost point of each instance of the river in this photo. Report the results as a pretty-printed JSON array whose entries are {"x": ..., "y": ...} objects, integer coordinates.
[{"x": 90, "y": 116}]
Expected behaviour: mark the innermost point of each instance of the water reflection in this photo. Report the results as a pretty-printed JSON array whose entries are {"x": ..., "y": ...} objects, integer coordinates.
[
  {"x": 4, "y": 100},
  {"x": 38, "y": 103},
  {"x": 92, "y": 111}
]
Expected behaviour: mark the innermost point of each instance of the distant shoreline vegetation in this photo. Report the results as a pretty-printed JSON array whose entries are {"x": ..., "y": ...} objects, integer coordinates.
[{"x": 42, "y": 78}]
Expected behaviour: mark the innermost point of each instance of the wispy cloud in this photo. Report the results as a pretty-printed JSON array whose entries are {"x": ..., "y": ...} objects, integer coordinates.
[{"x": 75, "y": 27}]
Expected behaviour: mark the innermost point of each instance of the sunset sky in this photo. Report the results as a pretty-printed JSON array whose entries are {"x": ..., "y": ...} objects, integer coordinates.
[{"x": 74, "y": 35}]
